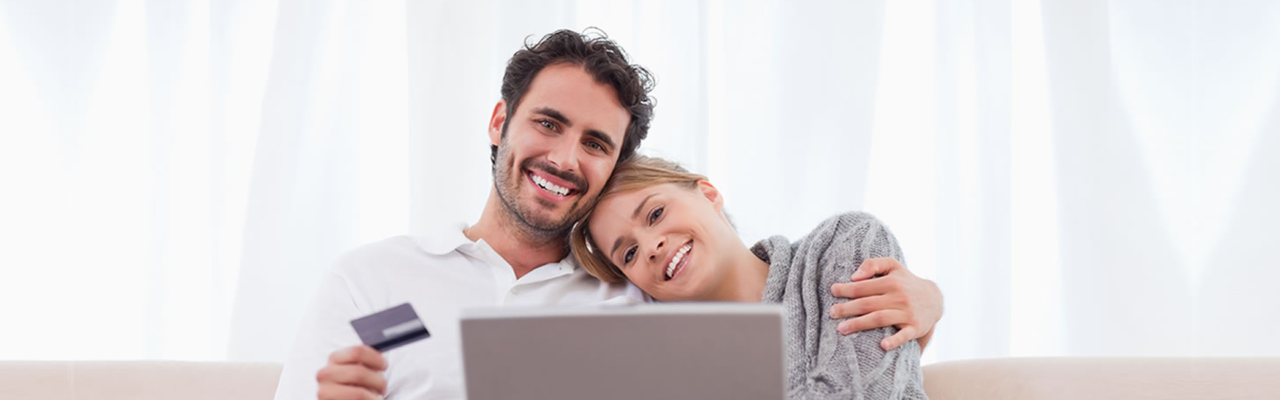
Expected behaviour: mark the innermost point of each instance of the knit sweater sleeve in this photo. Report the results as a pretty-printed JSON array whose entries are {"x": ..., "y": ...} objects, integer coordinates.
[{"x": 852, "y": 366}]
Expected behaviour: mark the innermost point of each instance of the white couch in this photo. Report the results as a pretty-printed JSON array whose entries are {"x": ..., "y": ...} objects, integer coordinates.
[
  {"x": 1007, "y": 378},
  {"x": 1104, "y": 378},
  {"x": 136, "y": 380}
]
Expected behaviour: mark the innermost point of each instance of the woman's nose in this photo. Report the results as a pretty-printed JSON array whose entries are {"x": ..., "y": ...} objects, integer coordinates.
[{"x": 657, "y": 249}]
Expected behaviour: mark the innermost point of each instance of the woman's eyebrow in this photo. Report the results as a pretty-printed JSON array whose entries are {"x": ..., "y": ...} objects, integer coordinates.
[
  {"x": 635, "y": 214},
  {"x": 616, "y": 243}
]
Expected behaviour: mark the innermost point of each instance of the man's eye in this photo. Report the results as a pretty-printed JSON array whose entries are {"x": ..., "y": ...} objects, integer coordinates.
[
  {"x": 657, "y": 213},
  {"x": 631, "y": 253},
  {"x": 547, "y": 124},
  {"x": 595, "y": 145}
]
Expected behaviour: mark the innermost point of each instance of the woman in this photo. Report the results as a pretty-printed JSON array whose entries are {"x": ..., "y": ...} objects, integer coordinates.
[{"x": 664, "y": 229}]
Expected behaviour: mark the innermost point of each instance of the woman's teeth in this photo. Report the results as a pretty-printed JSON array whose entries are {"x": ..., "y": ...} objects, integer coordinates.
[
  {"x": 675, "y": 261},
  {"x": 548, "y": 186}
]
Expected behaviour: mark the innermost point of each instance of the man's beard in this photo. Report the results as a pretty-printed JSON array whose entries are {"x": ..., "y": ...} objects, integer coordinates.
[{"x": 526, "y": 216}]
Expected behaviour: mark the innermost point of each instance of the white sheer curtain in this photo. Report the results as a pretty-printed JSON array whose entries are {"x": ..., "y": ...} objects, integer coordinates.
[{"x": 1080, "y": 177}]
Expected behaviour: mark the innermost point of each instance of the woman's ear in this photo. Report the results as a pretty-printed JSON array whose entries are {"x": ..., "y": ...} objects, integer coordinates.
[
  {"x": 496, "y": 122},
  {"x": 712, "y": 194}
]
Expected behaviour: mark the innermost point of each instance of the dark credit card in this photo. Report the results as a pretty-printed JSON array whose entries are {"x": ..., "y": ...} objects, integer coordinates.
[{"x": 391, "y": 328}]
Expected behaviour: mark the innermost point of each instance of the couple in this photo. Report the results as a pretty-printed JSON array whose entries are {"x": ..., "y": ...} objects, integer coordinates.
[{"x": 572, "y": 113}]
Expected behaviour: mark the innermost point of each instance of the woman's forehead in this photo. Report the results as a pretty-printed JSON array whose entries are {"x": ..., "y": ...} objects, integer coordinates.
[
  {"x": 616, "y": 211},
  {"x": 614, "y": 207},
  {"x": 625, "y": 203}
]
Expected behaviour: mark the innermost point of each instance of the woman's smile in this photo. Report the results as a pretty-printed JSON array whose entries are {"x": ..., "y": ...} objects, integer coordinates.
[{"x": 679, "y": 260}]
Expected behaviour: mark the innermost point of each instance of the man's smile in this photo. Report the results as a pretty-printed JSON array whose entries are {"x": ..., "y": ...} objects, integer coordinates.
[{"x": 551, "y": 187}]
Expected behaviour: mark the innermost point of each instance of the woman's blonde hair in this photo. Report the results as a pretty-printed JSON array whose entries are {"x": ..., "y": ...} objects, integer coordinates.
[{"x": 636, "y": 173}]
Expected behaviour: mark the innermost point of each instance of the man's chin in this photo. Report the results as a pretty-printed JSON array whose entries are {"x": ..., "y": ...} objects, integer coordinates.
[
  {"x": 548, "y": 221},
  {"x": 541, "y": 215}
]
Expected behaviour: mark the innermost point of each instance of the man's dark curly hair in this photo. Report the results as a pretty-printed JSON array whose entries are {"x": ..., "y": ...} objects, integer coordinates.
[{"x": 600, "y": 57}]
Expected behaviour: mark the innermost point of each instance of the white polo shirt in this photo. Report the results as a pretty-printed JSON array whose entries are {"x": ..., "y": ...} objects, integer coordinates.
[{"x": 440, "y": 275}]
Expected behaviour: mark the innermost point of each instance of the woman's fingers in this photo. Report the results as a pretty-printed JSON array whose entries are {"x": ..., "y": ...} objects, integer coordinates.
[{"x": 878, "y": 319}]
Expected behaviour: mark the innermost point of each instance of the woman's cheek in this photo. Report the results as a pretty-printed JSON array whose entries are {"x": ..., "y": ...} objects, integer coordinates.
[{"x": 640, "y": 281}]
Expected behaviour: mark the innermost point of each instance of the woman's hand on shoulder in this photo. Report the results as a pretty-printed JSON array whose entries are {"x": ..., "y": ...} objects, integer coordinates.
[{"x": 884, "y": 293}]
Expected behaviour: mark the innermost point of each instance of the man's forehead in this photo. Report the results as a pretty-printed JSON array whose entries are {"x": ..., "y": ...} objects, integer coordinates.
[
  {"x": 571, "y": 91},
  {"x": 565, "y": 77}
]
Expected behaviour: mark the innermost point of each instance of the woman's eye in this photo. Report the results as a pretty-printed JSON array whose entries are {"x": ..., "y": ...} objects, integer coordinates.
[
  {"x": 657, "y": 213},
  {"x": 631, "y": 253}
]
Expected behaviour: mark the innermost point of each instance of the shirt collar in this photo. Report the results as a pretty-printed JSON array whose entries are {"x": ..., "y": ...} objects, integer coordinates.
[
  {"x": 444, "y": 239},
  {"x": 449, "y": 237}
]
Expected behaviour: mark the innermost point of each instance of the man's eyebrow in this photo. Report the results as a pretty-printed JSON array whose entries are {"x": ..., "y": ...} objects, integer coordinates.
[
  {"x": 601, "y": 137},
  {"x": 556, "y": 115},
  {"x": 634, "y": 215}
]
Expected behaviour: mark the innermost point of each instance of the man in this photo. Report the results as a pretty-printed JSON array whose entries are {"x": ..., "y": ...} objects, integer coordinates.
[{"x": 572, "y": 107}]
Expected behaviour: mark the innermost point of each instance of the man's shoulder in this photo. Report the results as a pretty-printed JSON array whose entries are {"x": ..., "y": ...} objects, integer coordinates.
[
  {"x": 395, "y": 245},
  {"x": 389, "y": 252}
]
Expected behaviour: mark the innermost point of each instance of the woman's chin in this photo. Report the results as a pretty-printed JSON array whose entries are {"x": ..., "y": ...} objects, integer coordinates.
[
  {"x": 667, "y": 295},
  {"x": 682, "y": 291}
]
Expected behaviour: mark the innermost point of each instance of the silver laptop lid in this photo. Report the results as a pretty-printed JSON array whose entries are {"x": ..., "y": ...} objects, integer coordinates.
[{"x": 647, "y": 351}]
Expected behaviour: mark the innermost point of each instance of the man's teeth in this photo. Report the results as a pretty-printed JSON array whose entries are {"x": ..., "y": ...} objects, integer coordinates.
[
  {"x": 671, "y": 268},
  {"x": 550, "y": 187}
]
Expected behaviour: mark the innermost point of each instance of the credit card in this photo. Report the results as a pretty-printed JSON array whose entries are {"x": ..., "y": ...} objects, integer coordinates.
[{"x": 390, "y": 328}]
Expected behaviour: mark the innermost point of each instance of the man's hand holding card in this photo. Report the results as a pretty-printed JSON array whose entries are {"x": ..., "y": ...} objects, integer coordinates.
[{"x": 355, "y": 373}]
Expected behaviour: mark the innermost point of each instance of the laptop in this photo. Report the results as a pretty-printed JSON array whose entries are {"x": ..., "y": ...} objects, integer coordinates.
[{"x": 644, "y": 351}]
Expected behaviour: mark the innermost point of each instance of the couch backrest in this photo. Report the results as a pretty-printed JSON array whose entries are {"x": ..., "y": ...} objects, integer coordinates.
[
  {"x": 994, "y": 379},
  {"x": 1104, "y": 378},
  {"x": 137, "y": 380}
]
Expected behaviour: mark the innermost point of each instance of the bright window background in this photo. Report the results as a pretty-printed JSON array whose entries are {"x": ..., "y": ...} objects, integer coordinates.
[{"x": 1080, "y": 177}]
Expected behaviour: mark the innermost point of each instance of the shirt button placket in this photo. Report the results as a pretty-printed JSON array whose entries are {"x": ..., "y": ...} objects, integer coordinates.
[{"x": 510, "y": 298}]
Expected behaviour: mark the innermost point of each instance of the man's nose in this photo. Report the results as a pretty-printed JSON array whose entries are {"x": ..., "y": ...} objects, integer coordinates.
[{"x": 564, "y": 155}]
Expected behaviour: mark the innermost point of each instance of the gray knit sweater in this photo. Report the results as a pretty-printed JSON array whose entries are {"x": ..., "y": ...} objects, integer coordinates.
[{"x": 821, "y": 363}]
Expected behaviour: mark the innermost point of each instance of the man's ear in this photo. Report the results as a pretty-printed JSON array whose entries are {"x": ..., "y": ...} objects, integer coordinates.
[
  {"x": 712, "y": 194},
  {"x": 496, "y": 122}
]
